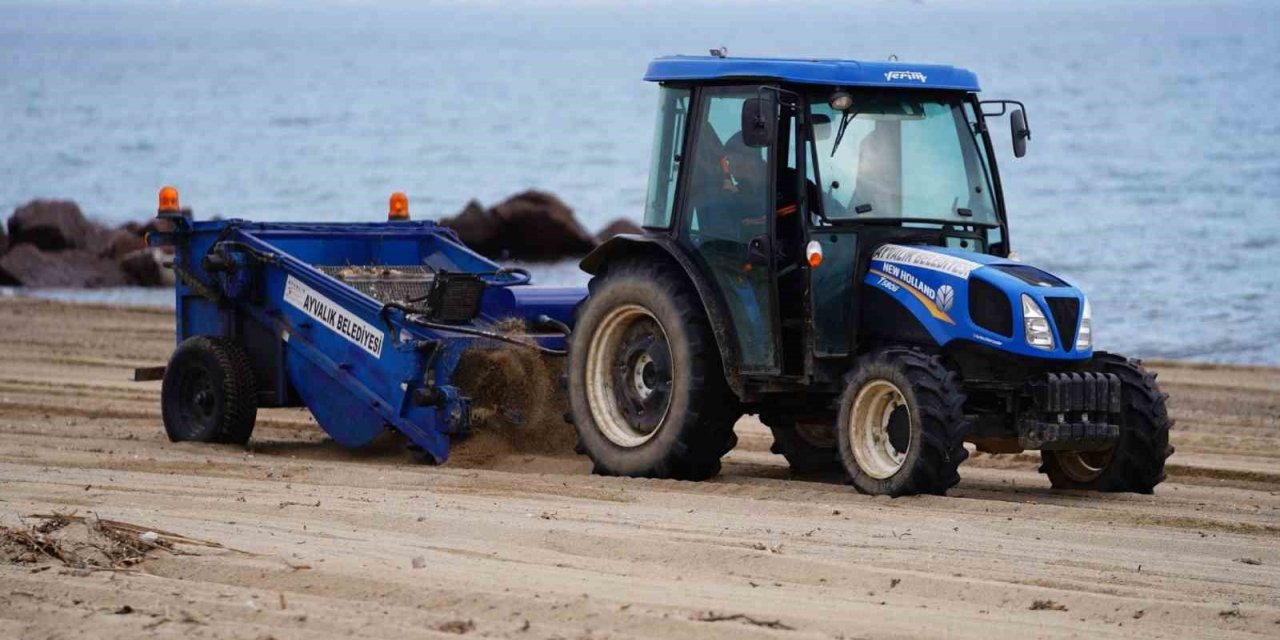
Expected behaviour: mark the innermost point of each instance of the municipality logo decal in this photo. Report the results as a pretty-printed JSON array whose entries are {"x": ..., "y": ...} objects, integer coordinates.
[
  {"x": 890, "y": 76},
  {"x": 946, "y": 297}
]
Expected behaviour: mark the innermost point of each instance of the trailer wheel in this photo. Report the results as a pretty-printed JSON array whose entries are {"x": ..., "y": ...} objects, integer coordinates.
[
  {"x": 1136, "y": 462},
  {"x": 809, "y": 447},
  {"x": 645, "y": 388},
  {"x": 208, "y": 393},
  {"x": 901, "y": 427}
]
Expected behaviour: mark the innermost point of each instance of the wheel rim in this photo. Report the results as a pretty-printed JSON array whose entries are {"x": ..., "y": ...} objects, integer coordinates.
[
  {"x": 628, "y": 376},
  {"x": 198, "y": 399},
  {"x": 880, "y": 429},
  {"x": 1085, "y": 466}
]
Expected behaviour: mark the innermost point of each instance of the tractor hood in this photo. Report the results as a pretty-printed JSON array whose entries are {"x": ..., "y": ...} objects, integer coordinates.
[{"x": 993, "y": 301}]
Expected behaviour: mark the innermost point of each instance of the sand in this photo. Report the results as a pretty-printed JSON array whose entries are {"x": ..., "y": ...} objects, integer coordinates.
[{"x": 320, "y": 541}]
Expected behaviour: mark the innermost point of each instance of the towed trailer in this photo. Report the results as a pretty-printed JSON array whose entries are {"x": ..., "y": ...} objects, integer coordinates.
[{"x": 363, "y": 324}]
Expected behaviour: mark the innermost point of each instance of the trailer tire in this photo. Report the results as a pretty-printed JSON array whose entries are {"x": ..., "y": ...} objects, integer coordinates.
[
  {"x": 1136, "y": 463},
  {"x": 806, "y": 450},
  {"x": 645, "y": 387},
  {"x": 209, "y": 392},
  {"x": 902, "y": 426}
]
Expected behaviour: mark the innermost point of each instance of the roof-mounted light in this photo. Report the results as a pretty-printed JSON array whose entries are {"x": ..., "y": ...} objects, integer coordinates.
[
  {"x": 168, "y": 200},
  {"x": 398, "y": 208}
]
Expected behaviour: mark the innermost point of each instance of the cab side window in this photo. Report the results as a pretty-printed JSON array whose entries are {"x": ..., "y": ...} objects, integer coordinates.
[
  {"x": 668, "y": 144},
  {"x": 729, "y": 181}
]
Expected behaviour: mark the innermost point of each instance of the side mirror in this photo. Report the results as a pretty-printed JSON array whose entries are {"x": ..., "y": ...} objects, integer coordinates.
[
  {"x": 759, "y": 115},
  {"x": 1019, "y": 131}
]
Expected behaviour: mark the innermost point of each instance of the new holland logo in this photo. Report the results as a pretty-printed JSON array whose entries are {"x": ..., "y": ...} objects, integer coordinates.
[
  {"x": 946, "y": 297},
  {"x": 890, "y": 76}
]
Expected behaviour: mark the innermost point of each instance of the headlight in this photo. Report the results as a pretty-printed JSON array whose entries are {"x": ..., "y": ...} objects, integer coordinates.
[
  {"x": 1084, "y": 339},
  {"x": 1036, "y": 325}
]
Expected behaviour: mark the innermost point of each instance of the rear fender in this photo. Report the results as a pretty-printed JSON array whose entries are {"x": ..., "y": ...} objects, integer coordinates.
[{"x": 663, "y": 248}]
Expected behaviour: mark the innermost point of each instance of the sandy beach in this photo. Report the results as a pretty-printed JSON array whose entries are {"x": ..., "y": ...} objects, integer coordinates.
[{"x": 297, "y": 537}]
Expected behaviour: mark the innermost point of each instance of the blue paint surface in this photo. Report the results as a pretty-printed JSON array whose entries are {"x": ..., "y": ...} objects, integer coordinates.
[{"x": 845, "y": 73}]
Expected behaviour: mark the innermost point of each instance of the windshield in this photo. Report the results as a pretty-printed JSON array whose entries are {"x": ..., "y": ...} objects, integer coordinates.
[{"x": 895, "y": 155}]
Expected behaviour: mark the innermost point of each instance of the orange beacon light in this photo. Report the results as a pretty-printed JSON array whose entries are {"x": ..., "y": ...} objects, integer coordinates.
[
  {"x": 168, "y": 200},
  {"x": 399, "y": 207}
]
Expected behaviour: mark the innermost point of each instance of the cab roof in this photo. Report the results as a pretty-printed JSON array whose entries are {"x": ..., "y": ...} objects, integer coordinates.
[{"x": 844, "y": 73}]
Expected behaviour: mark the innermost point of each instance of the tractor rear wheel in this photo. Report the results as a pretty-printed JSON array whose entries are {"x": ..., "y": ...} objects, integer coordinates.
[
  {"x": 901, "y": 427},
  {"x": 646, "y": 392},
  {"x": 809, "y": 447},
  {"x": 1136, "y": 462},
  {"x": 208, "y": 393}
]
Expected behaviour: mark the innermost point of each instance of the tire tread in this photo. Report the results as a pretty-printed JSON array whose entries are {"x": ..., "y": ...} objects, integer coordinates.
[{"x": 943, "y": 424}]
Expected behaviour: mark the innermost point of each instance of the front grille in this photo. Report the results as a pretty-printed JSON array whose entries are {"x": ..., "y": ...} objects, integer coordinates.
[
  {"x": 990, "y": 308},
  {"x": 1066, "y": 314}
]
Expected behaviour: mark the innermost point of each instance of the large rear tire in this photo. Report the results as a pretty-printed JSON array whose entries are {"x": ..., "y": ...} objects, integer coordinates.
[
  {"x": 901, "y": 427},
  {"x": 646, "y": 392},
  {"x": 1136, "y": 463},
  {"x": 208, "y": 393}
]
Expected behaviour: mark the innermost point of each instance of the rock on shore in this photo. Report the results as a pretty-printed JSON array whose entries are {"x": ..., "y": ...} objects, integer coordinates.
[
  {"x": 50, "y": 243},
  {"x": 28, "y": 265},
  {"x": 528, "y": 226},
  {"x": 616, "y": 228},
  {"x": 54, "y": 225},
  {"x": 533, "y": 225}
]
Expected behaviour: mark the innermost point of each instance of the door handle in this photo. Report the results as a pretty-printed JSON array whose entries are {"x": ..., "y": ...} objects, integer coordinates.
[{"x": 758, "y": 250}]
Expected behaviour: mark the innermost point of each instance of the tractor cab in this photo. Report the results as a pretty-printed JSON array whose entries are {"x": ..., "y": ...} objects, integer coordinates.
[
  {"x": 779, "y": 178},
  {"x": 826, "y": 246}
]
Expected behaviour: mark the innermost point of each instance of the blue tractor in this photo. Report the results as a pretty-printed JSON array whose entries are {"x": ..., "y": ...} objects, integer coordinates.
[{"x": 826, "y": 245}]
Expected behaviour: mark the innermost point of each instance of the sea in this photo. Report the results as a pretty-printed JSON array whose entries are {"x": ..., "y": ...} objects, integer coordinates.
[{"x": 1152, "y": 179}]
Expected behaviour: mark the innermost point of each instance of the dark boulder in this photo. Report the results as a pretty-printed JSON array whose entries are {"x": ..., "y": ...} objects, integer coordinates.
[
  {"x": 159, "y": 225},
  {"x": 4, "y": 241},
  {"x": 476, "y": 227},
  {"x": 122, "y": 242},
  {"x": 27, "y": 265},
  {"x": 539, "y": 226},
  {"x": 143, "y": 268},
  {"x": 528, "y": 226},
  {"x": 54, "y": 225},
  {"x": 617, "y": 228}
]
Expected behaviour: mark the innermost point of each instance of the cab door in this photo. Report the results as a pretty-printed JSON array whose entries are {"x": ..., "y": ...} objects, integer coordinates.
[{"x": 726, "y": 219}]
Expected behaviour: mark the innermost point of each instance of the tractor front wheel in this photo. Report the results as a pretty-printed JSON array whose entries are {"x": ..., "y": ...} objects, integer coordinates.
[
  {"x": 901, "y": 427},
  {"x": 1136, "y": 462},
  {"x": 646, "y": 392}
]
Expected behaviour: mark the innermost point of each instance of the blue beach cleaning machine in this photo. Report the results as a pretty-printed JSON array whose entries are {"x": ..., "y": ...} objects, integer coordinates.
[{"x": 363, "y": 324}]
